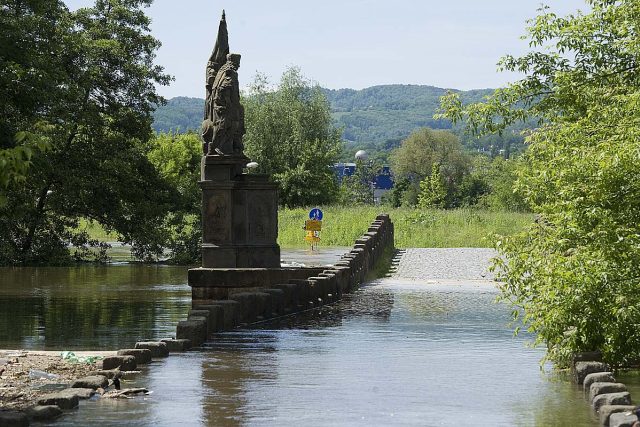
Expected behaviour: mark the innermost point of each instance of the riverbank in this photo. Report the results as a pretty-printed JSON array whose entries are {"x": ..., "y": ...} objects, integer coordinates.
[{"x": 26, "y": 376}]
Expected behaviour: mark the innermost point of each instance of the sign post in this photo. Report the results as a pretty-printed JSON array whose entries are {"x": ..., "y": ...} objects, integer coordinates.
[{"x": 313, "y": 226}]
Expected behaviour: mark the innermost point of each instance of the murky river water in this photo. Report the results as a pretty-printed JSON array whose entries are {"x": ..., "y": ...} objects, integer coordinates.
[{"x": 393, "y": 353}]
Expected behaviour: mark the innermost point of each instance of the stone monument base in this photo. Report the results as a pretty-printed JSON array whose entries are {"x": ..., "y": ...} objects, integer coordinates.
[
  {"x": 246, "y": 256},
  {"x": 239, "y": 215}
]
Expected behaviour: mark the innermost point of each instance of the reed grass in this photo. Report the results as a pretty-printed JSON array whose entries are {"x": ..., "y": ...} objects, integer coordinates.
[{"x": 432, "y": 228}]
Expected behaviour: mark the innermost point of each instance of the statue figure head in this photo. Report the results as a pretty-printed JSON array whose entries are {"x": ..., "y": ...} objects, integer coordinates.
[{"x": 235, "y": 59}]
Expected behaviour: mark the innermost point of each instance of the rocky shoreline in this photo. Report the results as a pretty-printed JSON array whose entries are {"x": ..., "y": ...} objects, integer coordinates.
[
  {"x": 26, "y": 376},
  {"x": 41, "y": 385}
]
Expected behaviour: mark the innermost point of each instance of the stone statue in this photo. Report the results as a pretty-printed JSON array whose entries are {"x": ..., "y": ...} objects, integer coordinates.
[{"x": 223, "y": 125}]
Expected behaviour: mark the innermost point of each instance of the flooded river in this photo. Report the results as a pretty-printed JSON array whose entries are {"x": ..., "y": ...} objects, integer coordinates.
[{"x": 393, "y": 353}]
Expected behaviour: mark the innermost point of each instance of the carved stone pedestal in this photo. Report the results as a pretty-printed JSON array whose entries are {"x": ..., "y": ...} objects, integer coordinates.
[{"x": 239, "y": 215}]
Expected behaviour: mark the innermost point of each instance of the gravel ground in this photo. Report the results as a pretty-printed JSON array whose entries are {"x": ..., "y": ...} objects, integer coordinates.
[
  {"x": 23, "y": 376},
  {"x": 444, "y": 264}
]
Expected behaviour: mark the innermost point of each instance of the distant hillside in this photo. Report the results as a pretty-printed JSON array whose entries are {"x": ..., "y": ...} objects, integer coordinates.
[
  {"x": 376, "y": 118},
  {"x": 375, "y": 114},
  {"x": 180, "y": 114},
  {"x": 380, "y": 113}
]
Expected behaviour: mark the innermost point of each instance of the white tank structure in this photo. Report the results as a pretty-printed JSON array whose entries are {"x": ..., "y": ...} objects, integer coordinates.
[{"x": 362, "y": 155}]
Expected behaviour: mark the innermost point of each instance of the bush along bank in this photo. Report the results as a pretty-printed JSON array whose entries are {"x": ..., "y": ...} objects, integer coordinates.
[
  {"x": 609, "y": 399},
  {"x": 369, "y": 256}
]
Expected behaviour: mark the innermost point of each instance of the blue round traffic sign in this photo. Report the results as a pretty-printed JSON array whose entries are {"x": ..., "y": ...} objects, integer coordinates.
[{"x": 316, "y": 214}]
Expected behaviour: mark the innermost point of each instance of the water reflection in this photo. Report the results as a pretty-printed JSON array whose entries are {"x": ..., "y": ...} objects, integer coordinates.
[
  {"x": 392, "y": 353},
  {"x": 102, "y": 307},
  {"x": 88, "y": 306},
  {"x": 389, "y": 354}
]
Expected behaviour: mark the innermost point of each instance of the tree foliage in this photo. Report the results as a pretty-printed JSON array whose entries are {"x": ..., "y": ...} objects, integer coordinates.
[
  {"x": 83, "y": 82},
  {"x": 424, "y": 148},
  {"x": 575, "y": 271},
  {"x": 490, "y": 184},
  {"x": 357, "y": 189},
  {"x": 432, "y": 190},
  {"x": 177, "y": 158},
  {"x": 291, "y": 136}
]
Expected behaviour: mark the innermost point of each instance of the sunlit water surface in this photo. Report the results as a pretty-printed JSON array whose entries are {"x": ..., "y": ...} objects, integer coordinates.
[{"x": 392, "y": 353}]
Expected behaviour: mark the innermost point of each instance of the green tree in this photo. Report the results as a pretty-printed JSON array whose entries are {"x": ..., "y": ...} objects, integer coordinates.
[
  {"x": 357, "y": 189},
  {"x": 89, "y": 92},
  {"x": 432, "y": 190},
  {"x": 491, "y": 184},
  {"x": 423, "y": 149},
  {"x": 177, "y": 158},
  {"x": 31, "y": 47},
  {"x": 574, "y": 272},
  {"x": 291, "y": 136}
]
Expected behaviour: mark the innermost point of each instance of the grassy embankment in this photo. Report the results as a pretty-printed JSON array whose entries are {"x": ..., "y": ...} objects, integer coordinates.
[{"x": 432, "y": 228}]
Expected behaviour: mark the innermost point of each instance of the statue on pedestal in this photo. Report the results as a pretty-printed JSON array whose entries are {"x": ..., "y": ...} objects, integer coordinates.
[{"x": 223, "y": 125}]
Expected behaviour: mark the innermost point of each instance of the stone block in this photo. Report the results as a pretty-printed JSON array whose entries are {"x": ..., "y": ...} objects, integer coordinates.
[
  {"x": 157, "y": 348},
  {"x": 62, "y": 399},
  {"x": 343, "y": 275},
  {"x": 201, "y": 319},
  {"x": 93, "y": 382},
  {"x": 216, "y": 316},
  {"x": 124, "y": 363},
  {"x": 246, "y": 307},
  {"x": 80, "y": 393},
  {"x": 193, "y": 330},
  {"x": 110, "y": 373},
  {"x": 587, "y": 356},
  {"x": 316, "y": 295},
  {"x": 142, "y": 355},
  {"x": 601, "y": 377},
  {"x": 621, "y": 398},
  {"x": 329, "y": 291},
  {"x": 622, "y": 419},
  {"x": 290, "y": 292},
  {"x": 193, "y": 313},
  {"x": 229, "y": 312},
  {"x": 334, "y": 286},
  {"x": 606, "y": 411},
  {"x": 582, "y": 369},
  {"x": 263, "y": 305},
  {"x": 175, "y": 345},
  {"x": 277, "y": 301},
  {"x": 42, "y": 413},
  {"x": 305, "y": 297},
  {"x": 598, "y": 388},
  {"x": 13, "y": 419}
]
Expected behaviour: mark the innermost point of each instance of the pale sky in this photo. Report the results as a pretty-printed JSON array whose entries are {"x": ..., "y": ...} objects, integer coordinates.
[{"x": 346, "y": 43}]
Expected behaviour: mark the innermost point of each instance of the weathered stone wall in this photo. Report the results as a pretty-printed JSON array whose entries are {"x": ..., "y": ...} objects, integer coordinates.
[{"x": 235, "y": 297}]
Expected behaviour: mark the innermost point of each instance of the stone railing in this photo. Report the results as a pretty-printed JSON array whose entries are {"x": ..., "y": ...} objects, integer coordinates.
[{"x": 224, "y": 299}]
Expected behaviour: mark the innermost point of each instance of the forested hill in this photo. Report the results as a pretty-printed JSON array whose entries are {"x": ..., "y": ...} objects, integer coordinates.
[
  {"x": 180, "y": 115},
  {"x": 380, "y": 113},
  {"x": 375, "y": 114},
  {"x": 375, "y": 119}
]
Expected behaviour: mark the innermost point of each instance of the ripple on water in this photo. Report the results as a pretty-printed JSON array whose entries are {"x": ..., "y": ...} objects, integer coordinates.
[{"x": 392, "y": 353}]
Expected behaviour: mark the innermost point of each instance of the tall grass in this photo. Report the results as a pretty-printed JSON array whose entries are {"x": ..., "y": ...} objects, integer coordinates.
[
  {"x": 96, "y": 231},
  {"x": 433, "y": 228}
]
